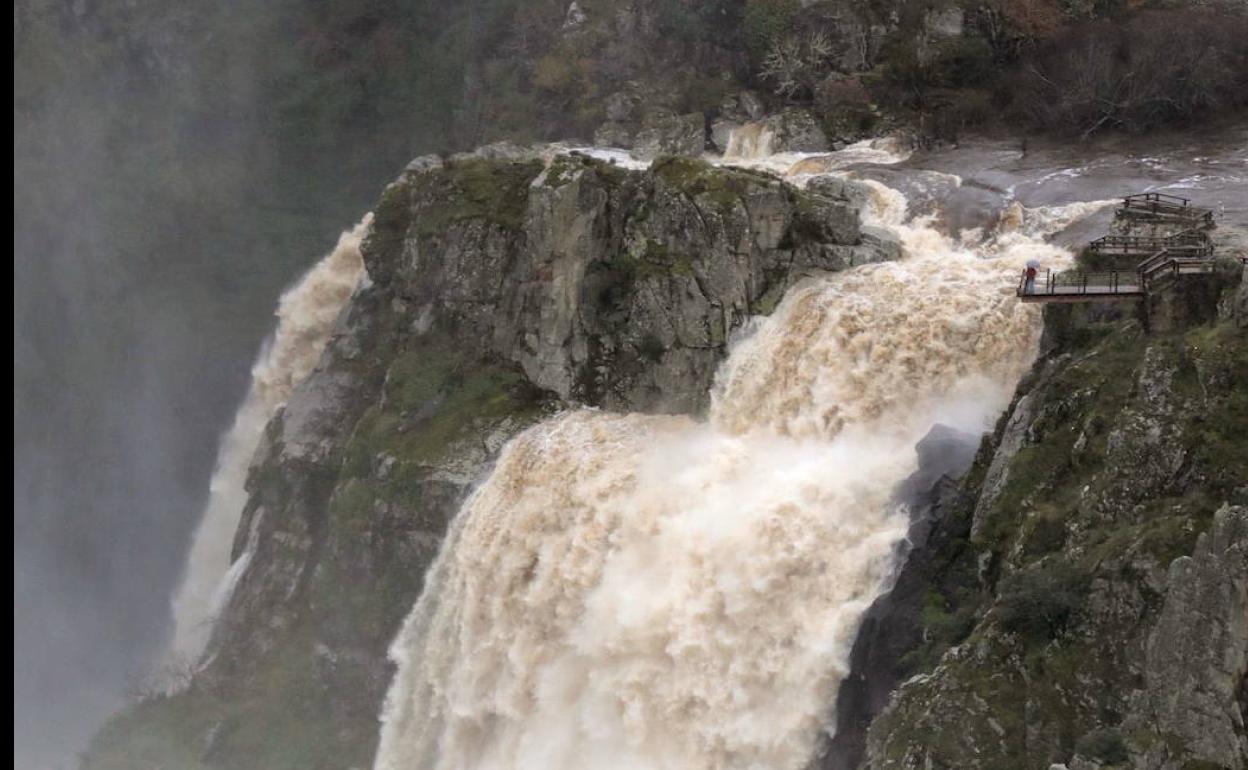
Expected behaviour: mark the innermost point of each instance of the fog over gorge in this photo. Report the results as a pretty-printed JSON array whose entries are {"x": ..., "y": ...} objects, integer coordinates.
[
  {"x": 638, "y": 384},
  {"x": 152, "y": 236}
]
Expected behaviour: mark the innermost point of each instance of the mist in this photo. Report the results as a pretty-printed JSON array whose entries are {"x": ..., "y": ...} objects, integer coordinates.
[{"x": 169, "y": 181}]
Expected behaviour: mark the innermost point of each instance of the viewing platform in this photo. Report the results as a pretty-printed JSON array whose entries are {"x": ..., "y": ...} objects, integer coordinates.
[
  {"x": 1192, "y": 241},
  {"x": 1162, "y": 209},
  {"x": 1082, "y": 287},
  {"x": 1162, "y": 257}
]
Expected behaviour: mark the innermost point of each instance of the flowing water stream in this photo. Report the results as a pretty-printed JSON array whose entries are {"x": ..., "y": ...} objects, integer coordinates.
[{"x": 306, "y": 315}]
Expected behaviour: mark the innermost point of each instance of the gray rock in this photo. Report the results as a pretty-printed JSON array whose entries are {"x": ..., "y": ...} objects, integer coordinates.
[
  {"x": 423, "y": 163},
  {"x": 751, "y": 105},
  {"x": 621, "y": 107},
  {"x": 613, "y": 134},
  {"x": 945, "y": 22},
  {"x": 671, "y": 135},
  {"x": 721, "y": 132},
  {"x": 1240, "y": 310},
  {"x": 1197, "y": 654},
  {"x": 1013, "y": 438},
  {"x": 796, "y": 130},
  {"x": 1083, "y": 505}
]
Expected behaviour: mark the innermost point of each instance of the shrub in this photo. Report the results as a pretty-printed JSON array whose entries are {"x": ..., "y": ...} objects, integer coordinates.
[
  {"x": 1039, "y": 603},
  {"x": 1011, "y": 26},
  {"x": 1160, "y": 67},
  {"x": 844, "y": 106},
  {"x": 794, "y": 65},
  {"x": 965, "y": 62},
  {"x": 765, "y": 22},
  {"x": 1105, "y": 746}
]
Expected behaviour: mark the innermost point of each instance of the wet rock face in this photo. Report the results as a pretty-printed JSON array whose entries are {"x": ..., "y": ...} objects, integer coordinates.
[
  {"x": 1084, "y": 590},
  {"x": 892, "y": 627}
]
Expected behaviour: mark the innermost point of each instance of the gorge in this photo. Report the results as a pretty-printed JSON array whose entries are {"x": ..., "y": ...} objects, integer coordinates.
[{"x": 630, "y": 586}]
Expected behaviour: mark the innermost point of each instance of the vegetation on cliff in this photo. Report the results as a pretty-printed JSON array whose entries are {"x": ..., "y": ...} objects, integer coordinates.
[{"x": 1050, "y": 630}]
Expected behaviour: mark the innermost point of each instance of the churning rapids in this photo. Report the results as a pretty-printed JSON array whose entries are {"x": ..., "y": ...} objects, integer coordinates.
[{"x": 636, "y": 591}]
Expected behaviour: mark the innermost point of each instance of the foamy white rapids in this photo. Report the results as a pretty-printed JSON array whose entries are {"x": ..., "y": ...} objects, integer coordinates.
[
  {"x": 751, "y": 141},
  {"x": 306, "y": 314},
  {"x": 613, "y": 155},
  {"x": 895, "y": 343},
  {"x": 750, "y": 146},
  {"x": 629, "y": 592}
]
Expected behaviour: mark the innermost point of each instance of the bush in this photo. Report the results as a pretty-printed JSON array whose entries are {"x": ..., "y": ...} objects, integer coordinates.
[
  {"x": 1039, "y": 603},
  {"x": 919, "y": 80},
  {"x": 1161, "y": 67},
  {"x": 765, "y": 22},
  {"x": 955, "y": 111},
  {"x": 794, "y": 65},
  {"x": 844, "y": 106},
  {"x": 1105, "y": 746},
  {"x": 965, "y": 62}
]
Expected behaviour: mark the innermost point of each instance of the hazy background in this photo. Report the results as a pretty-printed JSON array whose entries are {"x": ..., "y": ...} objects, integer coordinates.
[{"x": 175, "y": 165}]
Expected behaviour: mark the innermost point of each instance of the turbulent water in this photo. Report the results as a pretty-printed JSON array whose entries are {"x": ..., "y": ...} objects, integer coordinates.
[
  {"x": 306, "y": 315},
  {"x": 632, "y": 591},
  {"x": 753, "y": 140}
]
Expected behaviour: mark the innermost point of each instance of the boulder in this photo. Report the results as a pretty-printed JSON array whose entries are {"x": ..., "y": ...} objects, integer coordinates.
[
  {"x": 796, "y": 130},
  {"x": 671, "y": 135}
]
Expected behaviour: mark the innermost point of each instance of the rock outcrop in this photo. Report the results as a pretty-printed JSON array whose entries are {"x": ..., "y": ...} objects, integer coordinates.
[
  {"x": 502, "y": 286},
  {"x": 671, "y": 135},
  {"x": 790, "y": 130},
  {"x": 1082, "y": 600}
]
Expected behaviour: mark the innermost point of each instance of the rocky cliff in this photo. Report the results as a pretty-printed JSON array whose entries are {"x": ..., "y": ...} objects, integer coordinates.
[
  {"x": 1082, "y": 599},
  {"x": 501, "y": 286}
]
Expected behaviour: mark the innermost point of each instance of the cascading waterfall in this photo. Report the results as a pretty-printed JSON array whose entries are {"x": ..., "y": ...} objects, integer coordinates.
[
  {"x": 306, "y": 314},
  {"x": 633, "y": 591},
  {"x": 750, "y": 141}
]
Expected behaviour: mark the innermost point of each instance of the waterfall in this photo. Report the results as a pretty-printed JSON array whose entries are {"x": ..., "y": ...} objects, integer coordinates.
[
  {"x": 306, "y": 314},
  {"x": 635, "y": 591},
  {"x": 750, "y": 141}
]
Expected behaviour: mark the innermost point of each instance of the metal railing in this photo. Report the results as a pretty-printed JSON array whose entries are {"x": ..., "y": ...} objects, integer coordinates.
[
  {"x": 1077, "y": 283},
  {"x": 1162, "y": 206},
  {"x": 1156, "y": 197},
  {"x": 1190, "y": 240},
  {"x": 1185, "y": 252}
]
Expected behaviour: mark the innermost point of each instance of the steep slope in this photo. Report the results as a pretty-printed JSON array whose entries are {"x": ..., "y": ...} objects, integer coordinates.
[
  {"x": 500, "y": 287},
  {"x": 1083, "y": 598}
]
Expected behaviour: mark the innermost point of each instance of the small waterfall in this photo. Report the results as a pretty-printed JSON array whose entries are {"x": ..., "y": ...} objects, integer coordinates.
[
  {"x": 633, "y": 591},
  {"x": 751, "y": 141},
  {"x": 753, "y": 146},
  {"x": 306, "y": 314}
]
